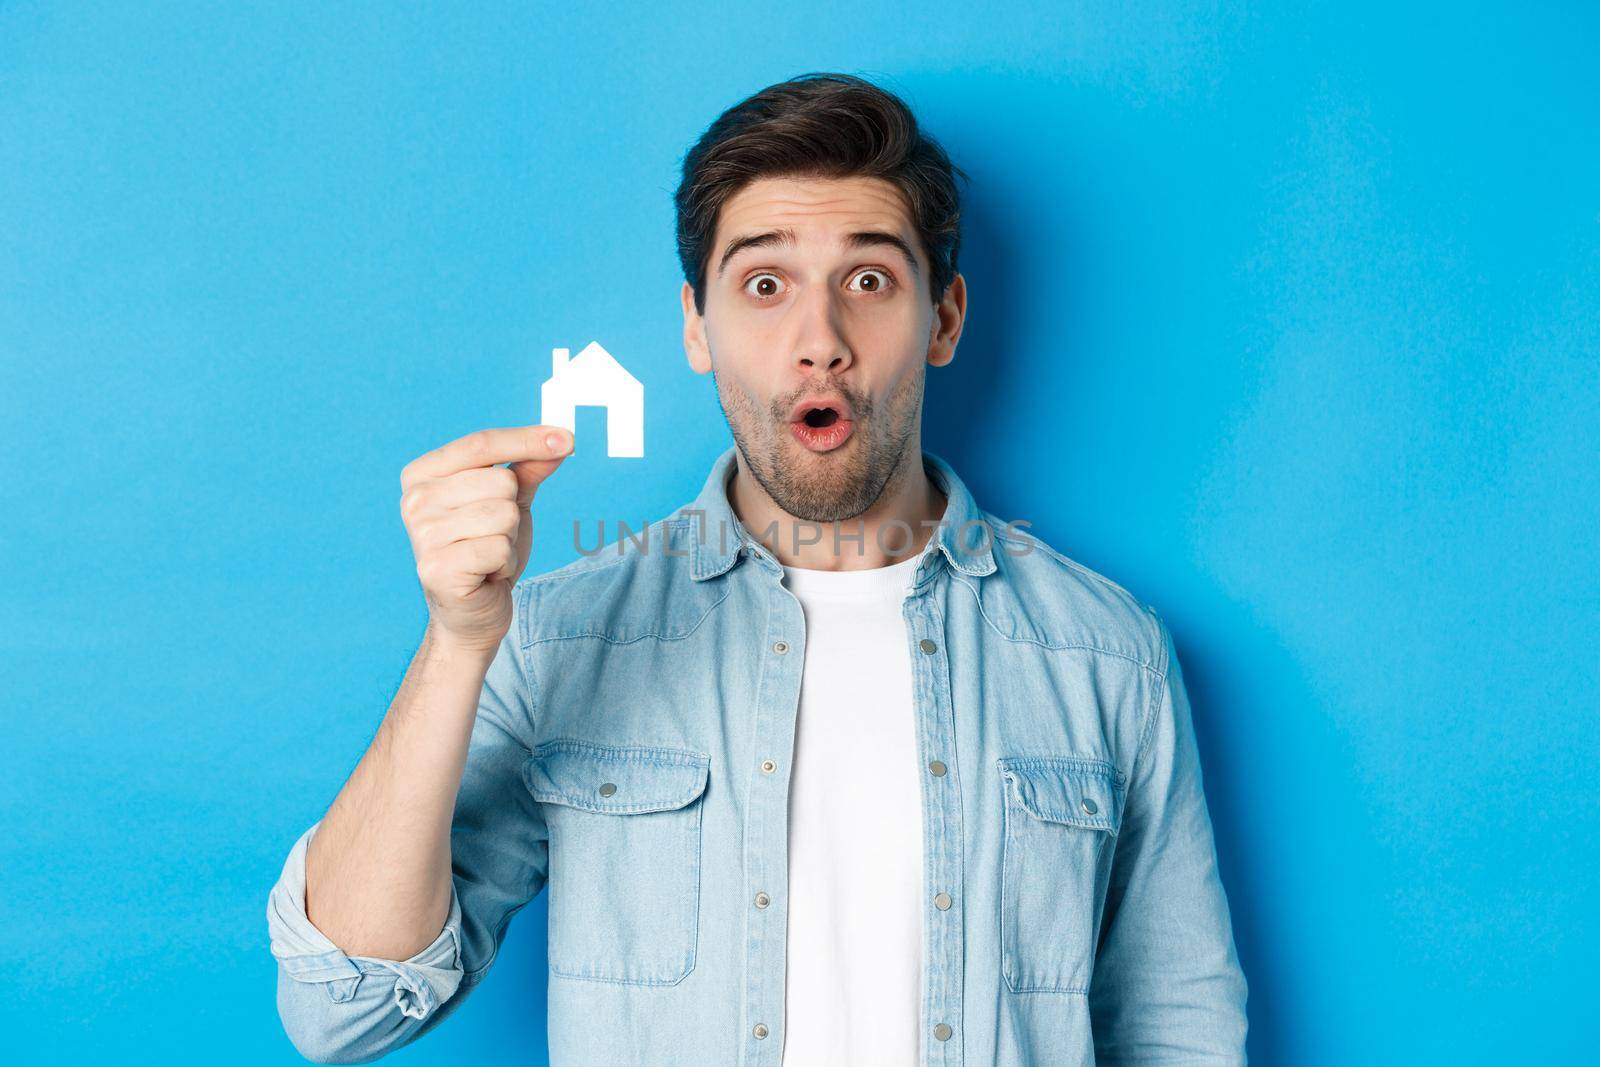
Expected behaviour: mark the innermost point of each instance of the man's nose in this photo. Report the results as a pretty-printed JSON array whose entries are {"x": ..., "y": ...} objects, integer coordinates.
[{"x": 820, "y": 341}]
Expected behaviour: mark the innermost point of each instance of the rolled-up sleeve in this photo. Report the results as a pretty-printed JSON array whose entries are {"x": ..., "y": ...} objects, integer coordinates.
[
  {"x": 1167, "y": 984},
  {"x": 330, "y": 1007},
  {"x": 338, "y": 1008}
]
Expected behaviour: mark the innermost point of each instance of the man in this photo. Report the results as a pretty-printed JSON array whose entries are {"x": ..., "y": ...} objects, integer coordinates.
[{"x": 832, "y": 766}]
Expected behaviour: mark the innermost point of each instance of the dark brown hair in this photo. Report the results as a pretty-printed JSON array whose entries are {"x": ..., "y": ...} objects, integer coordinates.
[{"x": 824, "y": 126}]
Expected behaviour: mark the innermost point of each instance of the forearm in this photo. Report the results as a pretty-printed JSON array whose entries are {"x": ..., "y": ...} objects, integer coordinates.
[{"x": 378, "y": 870}]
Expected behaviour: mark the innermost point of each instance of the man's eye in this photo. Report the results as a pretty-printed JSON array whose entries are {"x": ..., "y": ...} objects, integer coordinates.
[
  {"x": 872, "y": 285},
  {"x": 766, "y": 285}
]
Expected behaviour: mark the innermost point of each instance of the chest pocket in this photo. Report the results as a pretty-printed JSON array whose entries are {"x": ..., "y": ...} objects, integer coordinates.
[
  {"x": 624, "y": 876},
  {"x": 1061, "y": 816}
]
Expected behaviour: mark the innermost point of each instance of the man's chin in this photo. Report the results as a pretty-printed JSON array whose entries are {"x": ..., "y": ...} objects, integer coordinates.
[{"x": 822, "y": 495}]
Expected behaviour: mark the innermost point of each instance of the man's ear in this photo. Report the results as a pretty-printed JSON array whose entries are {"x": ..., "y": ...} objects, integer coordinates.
[
  {"x": 949, "y": 316},
  {"x": 695, "y": 346}
]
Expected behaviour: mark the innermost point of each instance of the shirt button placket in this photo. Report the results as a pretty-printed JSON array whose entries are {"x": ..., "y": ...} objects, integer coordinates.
[
  {"x": 761, "y": 900},
  {"x": 942, "y": 900}
]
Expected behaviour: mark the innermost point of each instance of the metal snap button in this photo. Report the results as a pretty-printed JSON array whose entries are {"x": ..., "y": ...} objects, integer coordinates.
[
  {"x": 768, "y": 766},
  {"x": 942, "y": 901},
  {"x": 780, "y": 647},
  {"x": 1089, "y": 806},
  {"x": 760, "y": 1030},
  {"x": 927, "y": 646},
  {"x": 762, "y": 900},
  {"x": 937, "y": 769},
  {"x": 942, "y": 1031},
  {"x": 607, "y": 789}
]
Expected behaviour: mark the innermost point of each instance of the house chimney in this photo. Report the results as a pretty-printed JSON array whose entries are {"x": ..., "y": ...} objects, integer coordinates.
[{"x": 558, "y": 360}]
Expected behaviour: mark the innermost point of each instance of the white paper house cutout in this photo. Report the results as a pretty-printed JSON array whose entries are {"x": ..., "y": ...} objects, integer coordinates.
[{"x": 595, "y": 378}]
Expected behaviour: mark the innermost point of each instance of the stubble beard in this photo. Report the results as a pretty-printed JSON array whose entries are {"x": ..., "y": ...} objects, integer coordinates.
[{"x": 822, "y": 487}]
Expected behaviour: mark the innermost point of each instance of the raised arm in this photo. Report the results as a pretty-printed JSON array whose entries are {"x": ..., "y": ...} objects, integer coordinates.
[{"x": 397, "y": 898}]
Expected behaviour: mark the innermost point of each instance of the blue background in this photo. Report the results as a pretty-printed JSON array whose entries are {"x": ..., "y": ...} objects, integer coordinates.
[{"x": 1286, "y": 319}]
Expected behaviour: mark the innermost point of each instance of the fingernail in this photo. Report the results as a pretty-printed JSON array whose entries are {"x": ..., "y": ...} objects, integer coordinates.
[{"x": 555, "y": 442}]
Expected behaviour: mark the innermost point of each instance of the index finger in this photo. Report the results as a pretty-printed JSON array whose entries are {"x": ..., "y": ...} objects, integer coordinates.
[{"x": 485, "y": 448}]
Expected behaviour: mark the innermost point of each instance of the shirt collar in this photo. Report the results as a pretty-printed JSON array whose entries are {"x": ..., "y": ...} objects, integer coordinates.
[{"x": 718, "y": 539}]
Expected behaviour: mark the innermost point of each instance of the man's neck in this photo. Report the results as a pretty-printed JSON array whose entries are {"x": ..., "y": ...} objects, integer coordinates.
[{"x": 897, "y": 526}]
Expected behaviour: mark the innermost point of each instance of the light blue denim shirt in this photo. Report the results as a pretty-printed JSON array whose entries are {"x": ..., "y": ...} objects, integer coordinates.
[{"x": 631, "y": 756}]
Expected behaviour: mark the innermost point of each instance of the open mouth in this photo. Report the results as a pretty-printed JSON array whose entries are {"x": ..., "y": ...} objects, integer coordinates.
[
  {"x": 820, "y": 417},
  {"x": 822, "y": 427}
]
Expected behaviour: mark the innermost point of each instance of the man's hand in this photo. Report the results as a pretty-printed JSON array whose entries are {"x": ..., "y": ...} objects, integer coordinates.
[{"x": 471, "y": 528}]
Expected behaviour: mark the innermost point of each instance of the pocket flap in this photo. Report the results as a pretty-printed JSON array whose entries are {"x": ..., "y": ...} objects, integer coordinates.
[
  {"x": 615, "y": 779},
  {"x": 1079, "y": 792}
]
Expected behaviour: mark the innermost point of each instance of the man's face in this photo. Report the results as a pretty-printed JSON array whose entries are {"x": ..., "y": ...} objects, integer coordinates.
[{"x": 829, "y": 303}]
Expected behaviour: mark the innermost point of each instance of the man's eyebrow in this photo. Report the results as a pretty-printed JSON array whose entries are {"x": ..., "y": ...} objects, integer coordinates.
[
  {"x": 878, "y": 238},
  {"x": 770, "y": 239},
  {"x": 786, "y": 238}
]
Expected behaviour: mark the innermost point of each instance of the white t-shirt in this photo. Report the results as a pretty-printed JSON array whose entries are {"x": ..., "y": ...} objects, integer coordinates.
[{"x": 854, "y": 981}]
